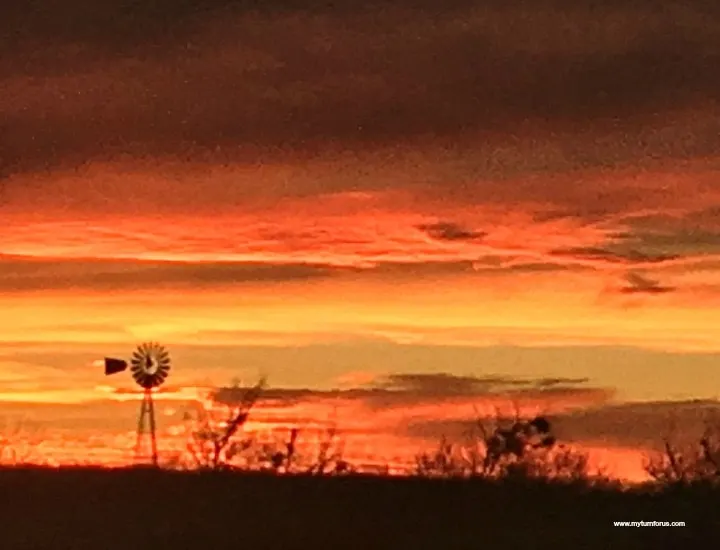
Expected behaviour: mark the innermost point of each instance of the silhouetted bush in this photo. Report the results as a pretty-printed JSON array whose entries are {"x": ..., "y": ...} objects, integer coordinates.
[
  {"x": 527, "y": 449},
  {"x": 217, "y": 441}
]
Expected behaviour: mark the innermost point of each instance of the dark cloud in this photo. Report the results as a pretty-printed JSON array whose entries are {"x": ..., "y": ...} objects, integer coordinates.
[
  {"x": 500, "y": 266},
  {"x": 287, "y": 396},
  {"x": 654, "y": 240},
  {"x": 20, "y": 274},
  {"x": 449, "y": 231},
  {"x": 640, "y": 284},
  {"x": 697, "y": 232},
  {"x": 29, "y": 274},
  {"x": 83, "y": 80},
  {"x": 536, "y": 267},
  {"x": 445, "y": 384},
  {"x": 618, "y": 254},
  {"x": 685, "y": 241},
  {"x": 428, "y": 268},
  {"x": 554, "y": 382},
  {"x": 707, "y": 217},
  {"x": 414, "y": 388},
  {"x": 641, "y": 424}
]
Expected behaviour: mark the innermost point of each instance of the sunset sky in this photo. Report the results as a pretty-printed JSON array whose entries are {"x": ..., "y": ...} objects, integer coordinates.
[{"x": 334, "y": 194}]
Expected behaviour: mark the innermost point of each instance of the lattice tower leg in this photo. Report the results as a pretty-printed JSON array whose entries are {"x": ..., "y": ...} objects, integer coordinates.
[{"x": 146, "y": 430}]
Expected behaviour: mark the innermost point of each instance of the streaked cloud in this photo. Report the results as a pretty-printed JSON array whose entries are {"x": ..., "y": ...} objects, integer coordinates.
[
  {"x": 37, "y": 274},
  {"x": 638, "y": 283},
  {"x": 626, "y": 257},
  {"x": 449, "y": 231},
  {"x": 443, "y": 383}
]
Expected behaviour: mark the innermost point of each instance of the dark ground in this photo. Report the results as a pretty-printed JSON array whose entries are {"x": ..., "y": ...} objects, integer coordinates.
[{"x": 135, "y": 509}]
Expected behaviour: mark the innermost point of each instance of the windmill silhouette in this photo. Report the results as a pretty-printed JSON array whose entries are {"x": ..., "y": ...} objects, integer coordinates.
[{"x": 149, "y": 365}]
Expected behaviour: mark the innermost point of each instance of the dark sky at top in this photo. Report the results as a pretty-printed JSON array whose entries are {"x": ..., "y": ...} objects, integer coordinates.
[{"x": 81, "y": 79}]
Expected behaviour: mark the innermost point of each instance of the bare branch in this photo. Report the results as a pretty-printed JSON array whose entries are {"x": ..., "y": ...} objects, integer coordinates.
[{"x": 247, "y": 402}]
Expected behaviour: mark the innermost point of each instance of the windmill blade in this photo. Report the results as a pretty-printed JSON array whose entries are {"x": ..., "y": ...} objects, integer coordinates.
[{"x": 150, "y": 364}]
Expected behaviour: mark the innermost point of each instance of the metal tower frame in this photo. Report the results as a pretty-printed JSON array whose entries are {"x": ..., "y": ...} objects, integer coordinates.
[{"x": 146, "y": 431}]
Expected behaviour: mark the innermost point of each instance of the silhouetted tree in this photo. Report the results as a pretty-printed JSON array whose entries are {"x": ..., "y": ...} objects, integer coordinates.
[{"x": 213, "y": 443}]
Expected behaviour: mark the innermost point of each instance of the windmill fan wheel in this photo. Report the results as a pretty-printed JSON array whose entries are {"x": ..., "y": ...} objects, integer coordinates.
[{"x": 150, "y": 364}]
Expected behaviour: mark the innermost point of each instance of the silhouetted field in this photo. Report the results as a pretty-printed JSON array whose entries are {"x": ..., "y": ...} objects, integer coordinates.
[{"x": 138, "y": 509}]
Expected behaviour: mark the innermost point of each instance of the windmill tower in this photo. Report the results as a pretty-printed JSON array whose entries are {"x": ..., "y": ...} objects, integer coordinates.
[{"x": 149, "y": 365}]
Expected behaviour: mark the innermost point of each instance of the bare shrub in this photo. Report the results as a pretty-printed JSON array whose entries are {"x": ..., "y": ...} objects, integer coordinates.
[
  {"x": 329, "y": 459},
  {"x": 20, "y": 445},
  {"x": 696, "y": 462},
  {"x": 215, "y": 440},
  {"x": 218, "y": 442},
  {"x": 447, "y": 460},
  {"x": 522, "y": 448}
]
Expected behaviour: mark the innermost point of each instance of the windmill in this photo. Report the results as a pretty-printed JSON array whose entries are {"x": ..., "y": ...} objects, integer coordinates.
[{"x": 149, "y": 366}]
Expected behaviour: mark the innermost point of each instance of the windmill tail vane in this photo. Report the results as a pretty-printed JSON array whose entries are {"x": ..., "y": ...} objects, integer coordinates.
[{"x": 113, "y": 366}]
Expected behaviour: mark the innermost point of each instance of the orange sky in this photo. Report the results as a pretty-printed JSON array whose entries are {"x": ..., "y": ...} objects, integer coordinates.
[
  {"x": 370, "y": 269},
  {"x": 324, "y": 196},
  {"x": 343, "y": 291}
]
